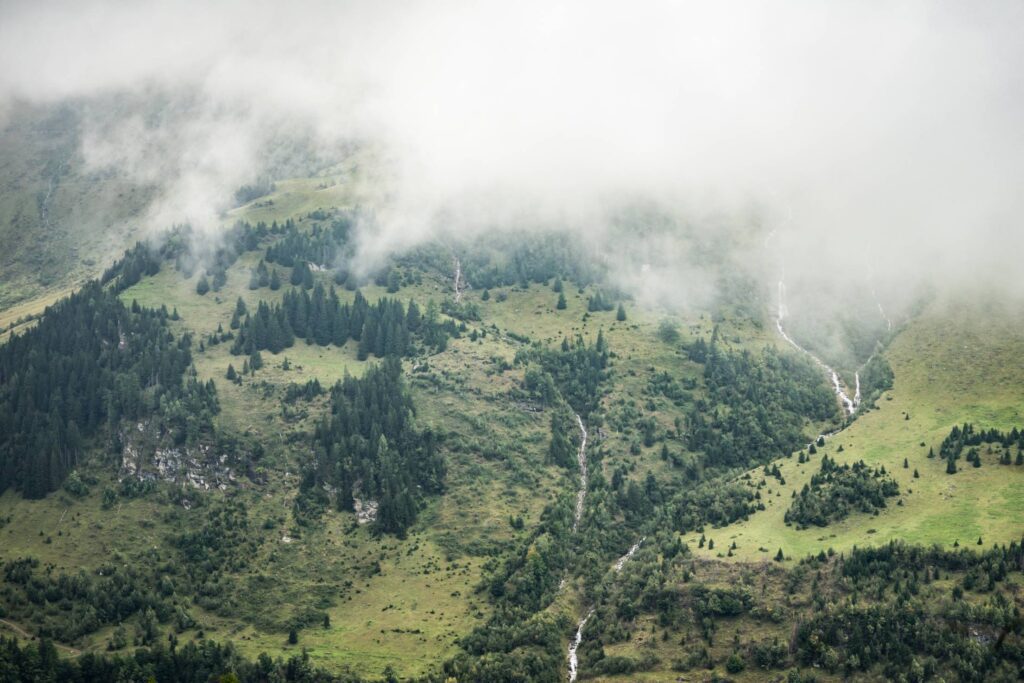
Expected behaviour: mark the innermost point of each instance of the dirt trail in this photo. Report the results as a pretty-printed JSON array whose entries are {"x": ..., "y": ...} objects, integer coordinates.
[{"x": 28, "y": 636}]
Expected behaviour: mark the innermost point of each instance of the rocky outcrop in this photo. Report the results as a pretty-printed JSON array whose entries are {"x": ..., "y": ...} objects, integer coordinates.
[{"x": 145, "y": 456}]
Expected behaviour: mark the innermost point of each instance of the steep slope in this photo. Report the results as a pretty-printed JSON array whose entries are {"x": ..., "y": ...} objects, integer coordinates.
[{"x": 955, "y": 363}]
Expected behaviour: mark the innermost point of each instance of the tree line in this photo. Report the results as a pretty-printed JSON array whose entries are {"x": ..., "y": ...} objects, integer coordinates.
[
  {"x": 837, "y": 490},
  {"x": 90, "y": 363},
  {"x": 368, "y": 447},
  {"x": 382, "y": 329},
  {"x": 756, "y": 405}
]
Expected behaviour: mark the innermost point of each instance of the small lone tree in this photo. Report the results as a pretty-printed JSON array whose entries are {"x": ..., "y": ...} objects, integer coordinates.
[
  {"x": 779, "y": 557},
  {"x": 203, "y": 286},
  {"x": 293, "y": 636},
  {"x": 620, "y": 315},
  {"x": 561, "y": 301},
  {"x": 231, "y": 374}
]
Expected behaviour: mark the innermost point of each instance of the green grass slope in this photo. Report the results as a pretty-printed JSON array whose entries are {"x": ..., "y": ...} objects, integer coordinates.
[{"x": 956, "y": 363}]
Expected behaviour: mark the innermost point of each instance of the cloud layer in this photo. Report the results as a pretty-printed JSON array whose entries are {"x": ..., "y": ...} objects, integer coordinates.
[{"x": 881, "y": 134}]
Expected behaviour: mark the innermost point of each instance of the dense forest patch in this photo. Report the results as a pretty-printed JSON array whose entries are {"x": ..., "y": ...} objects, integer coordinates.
[
  {"x": 836, "y": 491},
  {"x": 90, "y": 363}
]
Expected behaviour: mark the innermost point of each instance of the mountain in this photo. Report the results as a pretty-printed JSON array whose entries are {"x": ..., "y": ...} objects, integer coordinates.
[{"x": 479, "y": 459}]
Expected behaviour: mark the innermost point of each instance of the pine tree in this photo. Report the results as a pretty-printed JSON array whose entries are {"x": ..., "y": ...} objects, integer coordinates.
[
  {"x": 620, "y": 315},
  {"x": 561, "y": 302},
  {"x": 231, "y": 374},
  {"x": 363, "y": 350},
  {"x": 601, "y": 344},
  {"x": 275, "y": 280},
  {"x": 394, "y": 281},
  {"x": 413, "y": 317},
  {"x": 779, "y": 556},
  {"x": 202, "y": 286}
]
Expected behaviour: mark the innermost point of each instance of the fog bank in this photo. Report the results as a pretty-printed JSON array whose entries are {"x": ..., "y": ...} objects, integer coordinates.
[{"x": 872, "y": 138}]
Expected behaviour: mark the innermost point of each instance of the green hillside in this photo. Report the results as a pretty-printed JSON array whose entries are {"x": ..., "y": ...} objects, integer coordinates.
[
  {"x": 954, "y": 364},
  {"x": 229, "y": 524}
]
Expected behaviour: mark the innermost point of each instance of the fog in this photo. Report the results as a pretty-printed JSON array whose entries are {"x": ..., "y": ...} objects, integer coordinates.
[{"x": 879, "y": 144}]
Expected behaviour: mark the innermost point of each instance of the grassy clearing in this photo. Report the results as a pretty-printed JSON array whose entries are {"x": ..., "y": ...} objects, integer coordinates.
[
  {"x": 952, "y": 365},
  {"x": 403, "y": 602}
]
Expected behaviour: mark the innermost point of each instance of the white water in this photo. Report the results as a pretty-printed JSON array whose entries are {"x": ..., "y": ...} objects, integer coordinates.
[
  {"x": 881, "y": 311},
  {"x": 849, "y": 405},
  {"x": 581, "y": 459},
  {"x": 574, "y": 645},
  {"x": 581, "y": 495},
  {"x": 44, "y": 207},
  {"x": 874, "y": 295},
  {"x": 458, "y": 280},
  {"x": 626, "y": 558}
]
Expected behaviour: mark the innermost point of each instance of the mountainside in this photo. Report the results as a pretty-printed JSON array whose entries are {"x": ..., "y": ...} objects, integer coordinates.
[
  {"x": 482, "y": 461},
  {"x": 60, "y": 219}
]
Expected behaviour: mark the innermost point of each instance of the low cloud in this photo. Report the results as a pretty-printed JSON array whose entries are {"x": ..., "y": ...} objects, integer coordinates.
[{"x": 882, "y": 143}]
